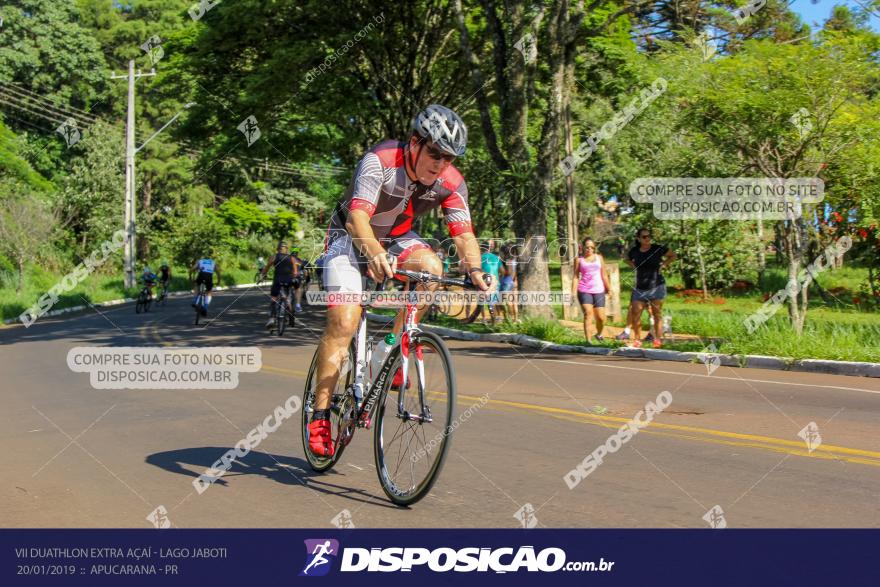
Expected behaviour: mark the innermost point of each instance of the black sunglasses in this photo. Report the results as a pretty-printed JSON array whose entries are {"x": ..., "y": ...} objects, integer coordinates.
[
  {"x": 644, "y": 236},
  {"x": 436, "y": 154}
]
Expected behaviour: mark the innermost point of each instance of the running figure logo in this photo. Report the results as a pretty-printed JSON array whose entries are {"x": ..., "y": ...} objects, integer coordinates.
[{"x": 317, "y": 552}]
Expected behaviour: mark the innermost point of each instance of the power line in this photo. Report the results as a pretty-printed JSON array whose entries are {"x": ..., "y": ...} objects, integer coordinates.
[
  {"x": 23, "y": 90},
  {"x": 27, "y": 110},
  {"x": 319, "y": 171},
  {"x": 35, "y": 110},
  {"x": 45, "y": 104}
]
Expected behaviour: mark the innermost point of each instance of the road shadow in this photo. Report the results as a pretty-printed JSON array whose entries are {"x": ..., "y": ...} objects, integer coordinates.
[
  {"x": 234, "y": 319},
  {"x": 192, "y": 462}
]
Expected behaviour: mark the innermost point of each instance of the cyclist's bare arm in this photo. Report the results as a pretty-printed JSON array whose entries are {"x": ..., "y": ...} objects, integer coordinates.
[
  {"x": 358, "y": 226},
  {"x": 469, "y": 252}
]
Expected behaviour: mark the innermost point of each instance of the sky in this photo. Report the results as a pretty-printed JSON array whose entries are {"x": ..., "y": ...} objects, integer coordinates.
[{"x": 820, "y": 11}]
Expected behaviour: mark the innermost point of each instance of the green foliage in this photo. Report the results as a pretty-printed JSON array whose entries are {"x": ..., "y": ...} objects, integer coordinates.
[
  {"x": 51, "y": 54},
  {"x": 92, "y": 194},
  {"x": 284, "y": 224},
  {"x": 16, "y": 167},
  {"x": 242, "y": 217},
  {"x": 193, "y": 237}
]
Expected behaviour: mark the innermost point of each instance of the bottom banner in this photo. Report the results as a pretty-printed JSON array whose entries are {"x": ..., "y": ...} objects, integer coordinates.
[{"x": 438, "y": 557}]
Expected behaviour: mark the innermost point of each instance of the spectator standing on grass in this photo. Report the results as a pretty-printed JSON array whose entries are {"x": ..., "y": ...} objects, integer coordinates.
[
  {"x": 590, "y": 284},
  {"x": 648, "y": 260},
  {"x": 491, "y": 264},
  {"x": 509, "y": 284}
]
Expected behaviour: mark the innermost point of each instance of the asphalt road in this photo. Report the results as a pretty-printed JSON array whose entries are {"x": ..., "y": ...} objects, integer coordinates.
[{"x": 75, "y": 456}]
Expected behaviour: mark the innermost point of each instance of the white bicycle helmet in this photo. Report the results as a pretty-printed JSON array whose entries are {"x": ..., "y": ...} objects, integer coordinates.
[{"x": 443, "y": 127}]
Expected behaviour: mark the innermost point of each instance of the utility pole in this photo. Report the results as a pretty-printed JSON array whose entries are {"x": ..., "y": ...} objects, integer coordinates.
[{"x": 130, "y": 216}]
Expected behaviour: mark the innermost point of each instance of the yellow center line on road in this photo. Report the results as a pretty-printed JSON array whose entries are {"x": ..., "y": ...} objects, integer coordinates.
[{"x": 824, "y": 451}]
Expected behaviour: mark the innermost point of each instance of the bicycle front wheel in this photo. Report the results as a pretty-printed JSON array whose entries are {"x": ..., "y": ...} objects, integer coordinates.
[
  {"x": 280, "y": 318},
  {"x": 409, "y": 452}
]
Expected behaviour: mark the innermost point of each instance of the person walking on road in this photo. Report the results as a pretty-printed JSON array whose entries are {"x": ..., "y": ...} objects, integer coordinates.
[
  {"x": 648, "y": 260},
  {"x": 590, "y": 284}
]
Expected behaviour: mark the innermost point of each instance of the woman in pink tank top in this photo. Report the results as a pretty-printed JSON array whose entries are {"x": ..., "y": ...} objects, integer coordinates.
[{"x": 590, "y": 284}]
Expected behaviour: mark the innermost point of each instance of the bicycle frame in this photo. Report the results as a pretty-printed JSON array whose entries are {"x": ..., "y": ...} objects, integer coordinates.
[{"x": 365, "y": 406}]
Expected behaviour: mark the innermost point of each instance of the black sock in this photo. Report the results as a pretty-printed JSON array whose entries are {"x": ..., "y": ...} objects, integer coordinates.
[{"x": 321, "y": 415}]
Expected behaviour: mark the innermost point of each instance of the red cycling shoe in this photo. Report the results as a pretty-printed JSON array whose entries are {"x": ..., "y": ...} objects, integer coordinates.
[{"x": 320, "y": 439}]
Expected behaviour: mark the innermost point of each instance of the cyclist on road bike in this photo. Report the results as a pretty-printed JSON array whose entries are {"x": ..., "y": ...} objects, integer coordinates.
[
  {"x": 394, "y": 183},
  {"x": 301, "y": 279},
  {"x": 207, "y": 268},
  {"x": 164, "y": 274},
  {"x": 149, "y": 279},
  {"x": 286, "y": 274}
]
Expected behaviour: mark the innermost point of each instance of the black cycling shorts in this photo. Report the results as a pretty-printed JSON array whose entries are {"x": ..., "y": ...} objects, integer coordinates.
[
  {"x": 207, "y": 279},
  {"x": 275, "y": 291}
]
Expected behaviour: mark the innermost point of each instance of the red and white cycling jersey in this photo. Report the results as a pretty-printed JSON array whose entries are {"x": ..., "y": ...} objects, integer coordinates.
[{"x": 383, "y": 190}]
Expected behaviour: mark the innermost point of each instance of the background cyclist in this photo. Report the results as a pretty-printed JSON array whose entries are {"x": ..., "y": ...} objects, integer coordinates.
[
  {"x": 394, "y": 183},
  {"x": 164, "y": 276},
  {"x": 149, "y": 279},
  {"x": 300, "y": 278},
  {"x": 206, "y": 268},
  {"x": 285, "y": 271}
]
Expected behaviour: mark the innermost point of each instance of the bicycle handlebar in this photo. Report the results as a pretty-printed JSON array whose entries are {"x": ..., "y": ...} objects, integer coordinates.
[{"x": 426, "y": 277}]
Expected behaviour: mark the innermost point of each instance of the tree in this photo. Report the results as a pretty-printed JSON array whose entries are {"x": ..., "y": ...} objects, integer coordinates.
[
  {"x": 243, "y": 218},
  {"x": 51, "y": 54},
  {"x": 25, "y": 224},
  {"x": 533, "y": 51},
  {"x": 91, "y": 195},
  {"x": 745, "y": 106}
]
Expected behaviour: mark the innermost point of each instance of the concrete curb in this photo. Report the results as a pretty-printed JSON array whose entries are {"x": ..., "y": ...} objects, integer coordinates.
[
  {"x": 110, "y": 303},
  {"x": 851, "y": 368}
]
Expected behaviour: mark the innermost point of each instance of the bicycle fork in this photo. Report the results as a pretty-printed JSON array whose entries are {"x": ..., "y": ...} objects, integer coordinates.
[{"x": 405, "y": 340}]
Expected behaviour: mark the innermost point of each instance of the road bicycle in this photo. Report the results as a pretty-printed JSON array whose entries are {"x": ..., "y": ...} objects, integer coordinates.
[
  {"x": 201, "y": 298},
  {"x": 412, "y": 421},
  {"x": 163, "y": 294},
  {"x": 282, "y": 310},
  {"x": 143, "y": 302}
]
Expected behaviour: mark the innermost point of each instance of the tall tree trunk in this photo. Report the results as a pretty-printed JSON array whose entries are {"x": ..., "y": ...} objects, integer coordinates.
[
  {"x": 702, "y": 266},
  {"x": 20, "y": 274},
  {"x": 762, "y": 256},
  {"x": 531, "y": 218},
  {"x": 794, "y": 249}
]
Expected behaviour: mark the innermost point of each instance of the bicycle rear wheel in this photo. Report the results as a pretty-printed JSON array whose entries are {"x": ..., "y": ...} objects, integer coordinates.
[
  {"x": 410, "y": 454},
  {"x": 342, "y": 411}
]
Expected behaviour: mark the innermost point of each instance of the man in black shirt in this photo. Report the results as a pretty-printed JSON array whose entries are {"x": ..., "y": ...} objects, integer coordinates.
[
  {"x": 286, "y": 274},
  {"x": 648, "y": 260}
]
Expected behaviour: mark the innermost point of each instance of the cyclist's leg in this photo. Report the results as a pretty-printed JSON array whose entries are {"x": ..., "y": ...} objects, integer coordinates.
[
  {"x": 274, "y": 292},
  {"x": 209, "y": 285},
  {"x": 297, "y": 293},
  {"x": 199, "y": 280},
  {"x": 341, "y": 275}
]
